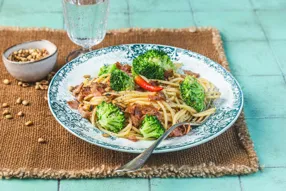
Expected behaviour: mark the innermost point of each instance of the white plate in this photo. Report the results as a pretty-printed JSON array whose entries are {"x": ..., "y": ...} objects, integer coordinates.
[{"x": 228, "y": 106}]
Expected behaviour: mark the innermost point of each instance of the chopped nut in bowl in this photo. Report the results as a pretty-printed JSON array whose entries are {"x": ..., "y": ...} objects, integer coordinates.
[
  {"x": 28, "y": 55},
  {"x": 30, "y": 61}
]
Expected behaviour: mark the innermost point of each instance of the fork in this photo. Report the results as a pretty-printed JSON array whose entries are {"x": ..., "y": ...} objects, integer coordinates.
[{"x": 141, "y": 159}]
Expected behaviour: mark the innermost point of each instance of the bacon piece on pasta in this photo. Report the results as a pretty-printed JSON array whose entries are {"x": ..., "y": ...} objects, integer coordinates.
[
  {"x": 137, "y": 113},
  {"x": 77, "y": 89},
  {"x": 97, "y": 89},
  {"x": 180, "y": 131},
  {"x": 83, "y": 113},
  {"x": 168, "y": 74},
  {"x": 157, "y": 97},
  {"x": 154, "y": 83},
  {"x": 132, "y": 138},
  {"x": 85, "y": 91},
  {"x": 124, "y": 67},
  {"x": 73, "y": 104}
]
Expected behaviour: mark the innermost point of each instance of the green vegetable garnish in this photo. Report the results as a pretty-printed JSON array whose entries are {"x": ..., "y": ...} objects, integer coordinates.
[
  {"x": 106, "y": 69},
  {"x": 152, "y": 64},
  {"x": 193, "y": 93},
  {"x": 120, "y": 81},
  {"x": 151, "y": 127},
  {"x": 110, "y": 117}
]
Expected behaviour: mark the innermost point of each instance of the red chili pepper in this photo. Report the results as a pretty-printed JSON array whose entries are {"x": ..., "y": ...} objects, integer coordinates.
[{"x": 145, "y": 85}]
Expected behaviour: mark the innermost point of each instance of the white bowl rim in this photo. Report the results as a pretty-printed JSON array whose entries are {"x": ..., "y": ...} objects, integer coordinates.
[{"x": 33, "y": 62}]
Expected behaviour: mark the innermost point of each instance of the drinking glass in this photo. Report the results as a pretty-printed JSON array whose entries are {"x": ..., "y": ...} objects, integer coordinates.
[{"x": 85, "y": 22}]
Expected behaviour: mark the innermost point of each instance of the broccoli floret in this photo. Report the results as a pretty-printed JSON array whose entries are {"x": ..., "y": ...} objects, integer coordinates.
[
  {"x": 106, "y": 69},
  {"x": 110, "y": 117},
  {"x": 193, "y": 93},
  {"x": 152, "y": 64},
  {"x": 120, "y": 81},
  {"x": 151, "y": 127}
]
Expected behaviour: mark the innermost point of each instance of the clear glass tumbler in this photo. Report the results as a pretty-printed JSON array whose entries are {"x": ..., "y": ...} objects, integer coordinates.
[{"x": 85, "y": 22}]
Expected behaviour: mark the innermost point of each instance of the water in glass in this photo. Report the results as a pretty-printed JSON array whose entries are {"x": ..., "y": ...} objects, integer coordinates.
[{"x": 86, "y": 21}]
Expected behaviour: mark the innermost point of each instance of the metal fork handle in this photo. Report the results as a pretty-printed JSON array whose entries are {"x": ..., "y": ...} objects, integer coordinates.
[{"x": 141, "y": 159}]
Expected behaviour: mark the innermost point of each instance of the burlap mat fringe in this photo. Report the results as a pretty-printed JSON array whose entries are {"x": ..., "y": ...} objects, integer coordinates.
[{"x": 166, "y": 171}]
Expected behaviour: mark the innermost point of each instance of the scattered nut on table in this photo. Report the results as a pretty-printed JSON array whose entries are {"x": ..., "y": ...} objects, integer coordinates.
[
  {"x": 6, "y": 112},
  {"x": 29, "y": 123},
  {"x": 37, "y": 87},
  {"x": 51, "y": 75},
  {"x": 6, "y": 81},
  {"x": 9, "y": 116},
  {"x": 4, "y": 105},
  {"x": 19, "y": 100},
  {"x": 41, "y": 87},
  {"x": 44, "y": 82},
  {"x": 41, "y": 140},
  {"x": 20, "y": 114},
  {"x": 25, "y": 85},
  {"x": 25, "y": 102},
  {"x": 20, "y": 83}
]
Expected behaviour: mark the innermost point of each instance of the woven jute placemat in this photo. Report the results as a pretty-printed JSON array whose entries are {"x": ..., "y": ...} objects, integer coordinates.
[{"x": 66, "y": 156}]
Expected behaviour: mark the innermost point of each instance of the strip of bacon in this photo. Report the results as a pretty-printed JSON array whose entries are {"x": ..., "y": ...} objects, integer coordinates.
[
  {"x": 73, "y": 104},
  {"x": 124, "y": 67},
  {"x": 137, "y": 113},
  {"x": 168, "y": 74},
  {"x": 77, "y": 89},
  {"x": 157, "y": 97},
  {"x": 83, "y": 113},
  {"x": 97, "y": 89},
  {"x": 180, "y": 131}
]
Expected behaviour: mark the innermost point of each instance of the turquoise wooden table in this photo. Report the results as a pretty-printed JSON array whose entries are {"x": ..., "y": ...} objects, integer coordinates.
[{"x": 254, "y": 33}]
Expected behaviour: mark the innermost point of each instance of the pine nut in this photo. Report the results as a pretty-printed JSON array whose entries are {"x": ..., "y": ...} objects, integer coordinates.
[
  {"x": 25, "y": 85},
  {"x": 86, "y": 76},
  {"x": 6, "y": 112},
  {"x": 41, "y": 140},
  {"x": 4, "y": 105},
  {"x": 45, "y": 87},
  {"x": 6, "y": 81},
  {"x": 29, "y": 123},
  {"x": 8, "y": 116},
  {"x": 44, "y": 82},
  {"x": 20, "y": 114},
  {"x": 71, "y": 88},
  {"x": 37, "y": 87},
  {"x": 19, "y": 101},
  {"x": 41, "y": 87},
  {"x": 23, "y": 55},
  {"x": 25, "y": 102}
]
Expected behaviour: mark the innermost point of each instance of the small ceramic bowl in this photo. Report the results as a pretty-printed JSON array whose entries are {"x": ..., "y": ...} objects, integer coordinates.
[{"x": 35, "y": 70}]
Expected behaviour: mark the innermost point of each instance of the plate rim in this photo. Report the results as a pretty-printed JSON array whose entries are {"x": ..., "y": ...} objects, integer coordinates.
[{"x": 155, "y": 151}]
